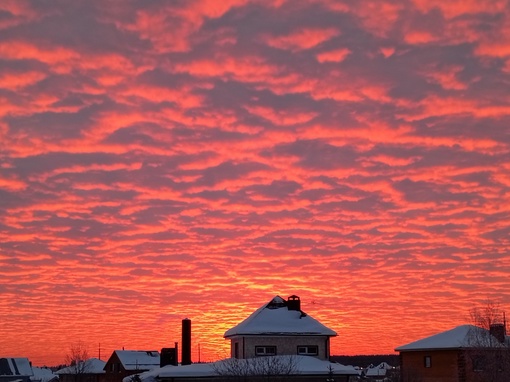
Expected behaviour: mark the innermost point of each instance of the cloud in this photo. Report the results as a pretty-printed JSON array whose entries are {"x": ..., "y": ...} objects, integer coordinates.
[{"x": 193, "y": 159}]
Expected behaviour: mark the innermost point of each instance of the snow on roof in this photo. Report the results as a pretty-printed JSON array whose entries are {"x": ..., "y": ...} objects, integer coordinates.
[
  {"x": 15, "y": 366},
  {"x": 305, "y": 365},
  {"x": 378, "y": 371},
  {"x": 92, "y": 366},
  {"x": 138, "y": 359},
  {"x": 459, "y": 337},
  {"x": 275, "y": 318},
  {"x": 42, "y": 374}
]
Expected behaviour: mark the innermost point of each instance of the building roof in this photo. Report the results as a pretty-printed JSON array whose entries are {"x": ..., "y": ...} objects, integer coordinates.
[
  {"x": 15, "y": 366},
  {"x": 92, "y": 366},
  {"x": 275, "y": 318},
  {"x": 43, "y": 374},
  {"x": 378, "y": 371},
  {"x": 138, "y": 359},
  {"x": 463, "y": 336},
  {"x": 303, "y": 366}
]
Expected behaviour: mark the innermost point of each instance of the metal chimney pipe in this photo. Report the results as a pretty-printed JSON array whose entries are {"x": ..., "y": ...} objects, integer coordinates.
[{"x": 186, "y": 342}]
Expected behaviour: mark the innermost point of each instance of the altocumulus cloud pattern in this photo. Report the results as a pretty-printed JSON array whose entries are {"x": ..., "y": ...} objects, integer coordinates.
[{"x": 171, "y": 159}]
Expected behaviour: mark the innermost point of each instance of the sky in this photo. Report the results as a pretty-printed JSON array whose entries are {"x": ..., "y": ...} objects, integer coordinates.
[{"x": 162, "y": 160}]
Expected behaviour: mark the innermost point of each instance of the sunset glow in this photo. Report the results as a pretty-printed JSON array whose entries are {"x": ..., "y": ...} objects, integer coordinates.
[{"x": 170, "y": 159}]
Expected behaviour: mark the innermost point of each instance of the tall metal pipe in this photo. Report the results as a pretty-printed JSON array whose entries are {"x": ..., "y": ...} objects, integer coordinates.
[{"x": 186, "y": 342}]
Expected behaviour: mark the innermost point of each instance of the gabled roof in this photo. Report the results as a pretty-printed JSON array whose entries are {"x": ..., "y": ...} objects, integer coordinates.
[
  {"x": 274, "y": 318},
  {"x": 464, "y": 336},
  {"x": 15, "y": 366},
  {"x": 378, "y": 371},
  {"x": 138, "y": 359},
  {"x": 90, "y": 366}
]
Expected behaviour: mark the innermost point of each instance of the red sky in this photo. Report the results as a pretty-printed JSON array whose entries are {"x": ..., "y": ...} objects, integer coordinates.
[{"x": 170, "y": 159}]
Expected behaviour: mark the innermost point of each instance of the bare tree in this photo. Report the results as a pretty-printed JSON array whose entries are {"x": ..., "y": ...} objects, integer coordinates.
[
  {"x": 487, "y": 315},
  {"x": 78, "y": 360},
  {"x": 269, "y": 368},
  {"x": 488, "y": 355}
]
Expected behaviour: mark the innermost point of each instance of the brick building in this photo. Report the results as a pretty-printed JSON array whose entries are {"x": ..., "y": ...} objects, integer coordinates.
[{"x": 466, "y": 353}]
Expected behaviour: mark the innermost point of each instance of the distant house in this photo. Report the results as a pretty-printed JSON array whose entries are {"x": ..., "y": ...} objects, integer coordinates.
[
  {"x": 379, "y": 373},
  {"x": 43, "y": 374},
  {"x": 465, "y": 353},
  {"x": 15, "y": 370},
  {"x": 91, "y": 370},
  {"x": 280, "y": 327},
  {"x": 124, "y": 363}
]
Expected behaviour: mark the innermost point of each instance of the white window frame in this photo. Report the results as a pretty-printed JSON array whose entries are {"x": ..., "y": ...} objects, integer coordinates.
[
  {"x": 261, "y": 351},
  {"x": 308, "y": 350}
]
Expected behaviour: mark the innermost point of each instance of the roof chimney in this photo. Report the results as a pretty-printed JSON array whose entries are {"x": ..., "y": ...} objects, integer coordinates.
[
  {"x": 169, "y": 356},
  {"x": 498, "y": 331},
  {"x": 294, "y": 303},
  {"x": 186, "y": 342}
]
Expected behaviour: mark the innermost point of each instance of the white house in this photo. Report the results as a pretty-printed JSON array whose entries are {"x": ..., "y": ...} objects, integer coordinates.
[{"x": 280, "y": 327}]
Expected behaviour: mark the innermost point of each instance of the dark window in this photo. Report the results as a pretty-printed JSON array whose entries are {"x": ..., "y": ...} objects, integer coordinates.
[
  {"x": 427, "y": 361},
  {"x": 265, "y": 350},
  {"x": 236, "y": 350},
  {"x": 479, "y": 363},
  {"x": 308, "y": 350}
]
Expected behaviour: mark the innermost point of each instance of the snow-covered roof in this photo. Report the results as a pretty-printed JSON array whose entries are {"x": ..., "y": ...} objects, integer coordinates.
[
  {"x": 92, "y": 366},
  {"x": 42, "y": 374},
  {"x": 463, "y": 336},
  {"x": 138, "y": 359},
  {"x": 274, "y": 318},
  {"x": 304, "y": 365},
  {"x": 378, "y": 371},
  {"x": 15, "y": 366}
]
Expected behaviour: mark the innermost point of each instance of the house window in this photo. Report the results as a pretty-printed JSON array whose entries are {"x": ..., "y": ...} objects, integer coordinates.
[
  {"x": 265, "y": 350},
  {"x": 308, "y": 350},
  {"x": 427, "y": 361},
  {"x": 479, "y": 363},
  {"x": 236, "y": 350}
]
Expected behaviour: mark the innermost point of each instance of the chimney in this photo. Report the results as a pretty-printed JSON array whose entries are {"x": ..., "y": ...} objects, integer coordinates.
[
  {"x": 498, "y": 331},
  {"x": 168, "y": 357},
  {"x": 294, "y": 303},
  {"x": 186, "y": 342}
]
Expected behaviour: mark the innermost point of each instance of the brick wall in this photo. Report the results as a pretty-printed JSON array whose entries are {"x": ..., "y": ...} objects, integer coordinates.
[{"x": 443, "y": 366}]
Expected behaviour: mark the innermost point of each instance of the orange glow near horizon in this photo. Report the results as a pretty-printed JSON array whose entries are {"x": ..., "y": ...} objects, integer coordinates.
[{"x": 194, "y": 159}]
